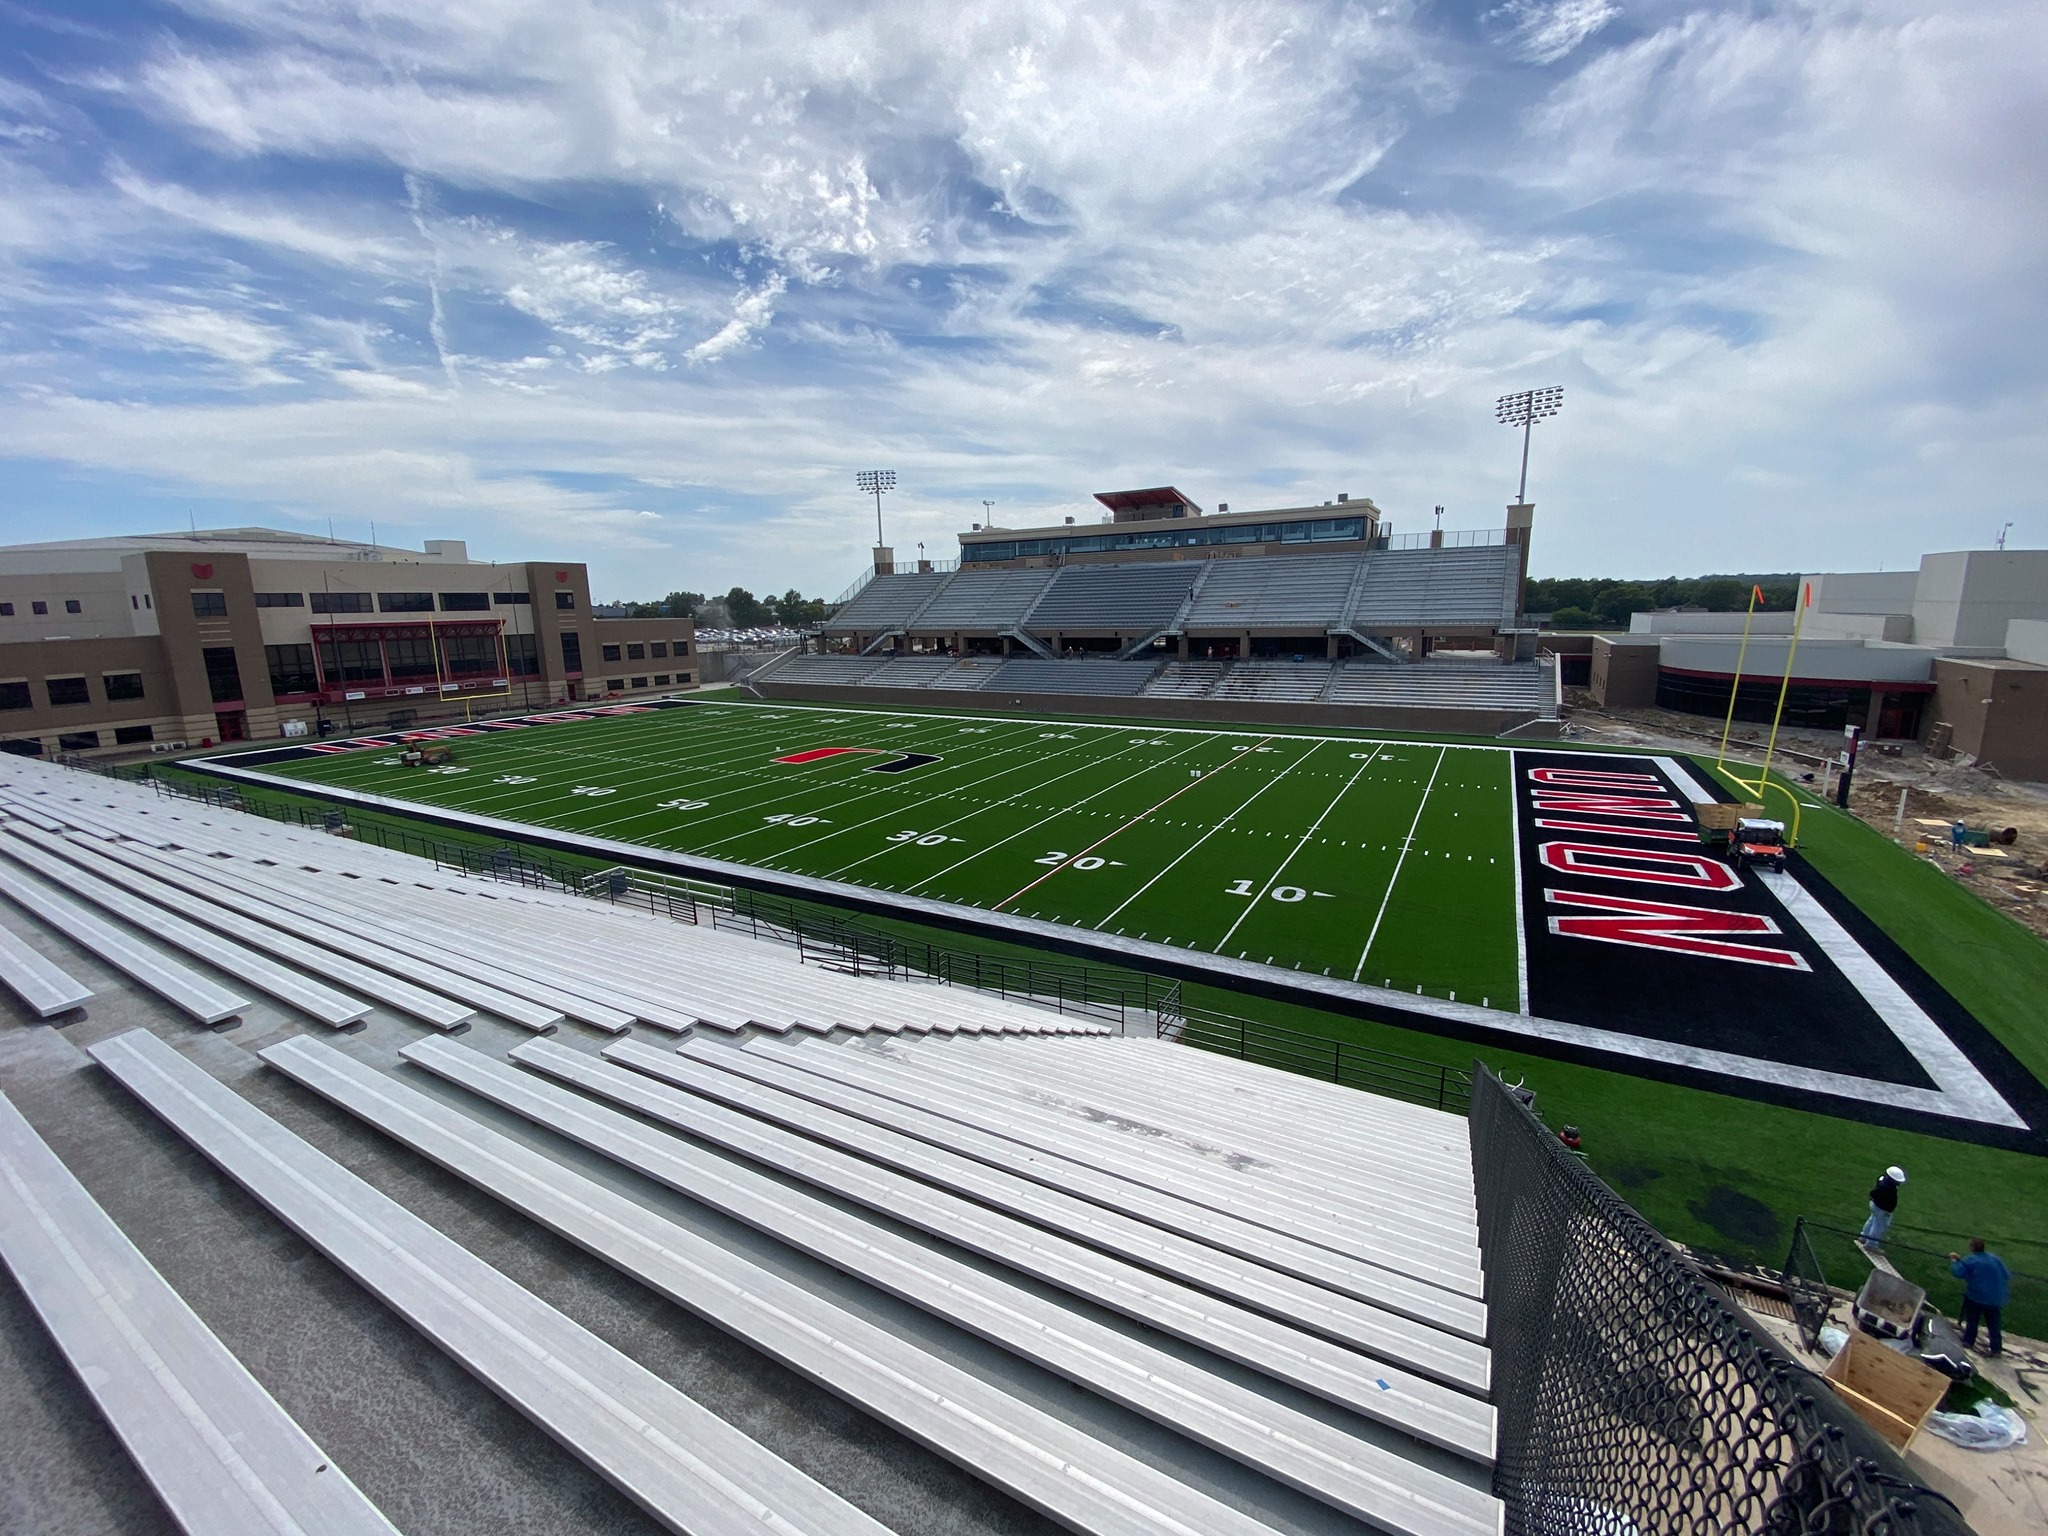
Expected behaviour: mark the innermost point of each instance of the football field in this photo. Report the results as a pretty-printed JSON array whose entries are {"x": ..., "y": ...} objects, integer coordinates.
[{"x": 1391, "y": 863}]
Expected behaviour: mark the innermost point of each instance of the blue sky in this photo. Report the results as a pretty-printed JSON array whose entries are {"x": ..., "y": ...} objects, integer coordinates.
[{"x": 646, "y": 284}]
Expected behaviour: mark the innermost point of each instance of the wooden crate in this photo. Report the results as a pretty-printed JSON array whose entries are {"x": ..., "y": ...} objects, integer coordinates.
[{"x": 1891, "y": 1392}]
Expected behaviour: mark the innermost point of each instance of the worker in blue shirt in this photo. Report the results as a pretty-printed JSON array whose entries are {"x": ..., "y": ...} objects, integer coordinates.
[{"x": 1985, "y": 1284}]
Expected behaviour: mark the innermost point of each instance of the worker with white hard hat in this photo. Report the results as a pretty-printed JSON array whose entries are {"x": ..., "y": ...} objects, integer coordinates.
[{"x": 1884, "y": 1204}]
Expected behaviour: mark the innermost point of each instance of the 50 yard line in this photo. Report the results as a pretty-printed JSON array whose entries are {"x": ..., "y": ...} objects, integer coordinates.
[{"x": 1406, "y": 843}]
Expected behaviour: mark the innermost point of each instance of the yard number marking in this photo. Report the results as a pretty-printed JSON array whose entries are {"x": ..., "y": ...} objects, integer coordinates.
[
  {"x": 592, "y": 789},
  {"x": 789, "y": 820},
  {"x": 513, "y": 778},
  {"x": 682, "y": 805},
  {"x": 1085, "y": 861},
  {"x": 921, "y": 839},
  {"x": 1287, "y": 893}
]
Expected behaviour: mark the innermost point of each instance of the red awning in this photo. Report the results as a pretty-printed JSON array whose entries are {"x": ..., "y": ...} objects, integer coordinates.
[{"x": 1131, "y": 501}]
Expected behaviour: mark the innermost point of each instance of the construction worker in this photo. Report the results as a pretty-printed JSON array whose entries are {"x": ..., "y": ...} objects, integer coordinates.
[
  {"x": 1985, "y": 1286},
  {"x": 1884, "y": 1203}
]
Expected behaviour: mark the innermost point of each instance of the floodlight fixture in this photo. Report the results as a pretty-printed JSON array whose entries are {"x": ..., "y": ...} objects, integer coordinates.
[
  {"x": 1524, "y": 410},
  {"x": 873, "y": 482}
]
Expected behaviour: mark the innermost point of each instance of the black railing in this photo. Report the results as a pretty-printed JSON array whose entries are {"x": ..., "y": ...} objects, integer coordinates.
[
  {"x": 1632, "y": 1395},
  {"x": 1336, "y": 1061}
]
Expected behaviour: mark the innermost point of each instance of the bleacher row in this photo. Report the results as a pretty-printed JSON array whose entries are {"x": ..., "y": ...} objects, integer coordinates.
[
  {"x": 1382, "y": 592},
  {"x": 1270, "y": 1270},
  {"x": 1435, "y": 684}
]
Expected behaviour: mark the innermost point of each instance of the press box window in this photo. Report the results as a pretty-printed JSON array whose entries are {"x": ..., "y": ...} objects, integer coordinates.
[
  {"x": 78, "y": 741},
  {"x": 611, "y": 653},
  {"x": 658, "y": 650},
  {"x": 511, "y": 597},
  {"x": 341, "y": 602},
  {"x": 209, "y": 605},
  {"x": 291, "y": 669},
  {"x": 67, "y": 690},
  {"x": 73, "y": 605},
  {"x": 6, "y": 610},
  {"x": 121, "y": 685},
  {"x": 565, "y": 600},
  {"x": 280, "y": 599},
  {"x": 129, "y": 735},
  {"x": 405, "y": 602},
  {"x": 465, "y": 602},
  {"x": 15, "y": 695},
  {"x": 636, "y": 652},
  {"x": 39, "y": 606}
]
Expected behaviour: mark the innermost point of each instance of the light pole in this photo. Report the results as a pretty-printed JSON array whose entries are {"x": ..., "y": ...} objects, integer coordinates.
[
  {"x": 874, "y": 482},
  {"x": 1524, "y": 410},
  {"x": 988, "y": 514}
]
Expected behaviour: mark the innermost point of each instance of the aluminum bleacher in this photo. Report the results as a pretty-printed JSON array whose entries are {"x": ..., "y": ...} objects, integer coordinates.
[
  {"x": 1079, "y": 675},
  {"x": 888, "y": 602},
  {"x": 981, "y": 600},
  {"x": 1185, "y": 679},
  {"x": 836, "y": 671},
  {"x": 1112, "y": 598},
  {"x": 38, "y": 981},
  {"x": 909, "y": 672},
  {"x": 968, "y": 673},
  {"x": 1483, "y": 684},
  {"x": 1434, "y": 588},
  {"x": 1302, "y": 596},
  {"x": 1274, "y": 682}
]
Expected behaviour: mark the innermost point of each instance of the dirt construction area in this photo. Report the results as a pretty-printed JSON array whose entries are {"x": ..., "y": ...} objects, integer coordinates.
[{"x": 2012, "y": 877}]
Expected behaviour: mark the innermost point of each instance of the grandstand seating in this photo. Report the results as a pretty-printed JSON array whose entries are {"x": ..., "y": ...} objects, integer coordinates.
[
  {"x": 1186, "y": 679},
  {"x": 1112, "y": 597},
  {"x": 838, "y": 671},
  {"x": 1424, "y": 588},
  {"x": 969, "y": 672},
  {"x": 1434, "y": 684},
  {"x": 1302, "y": 595},
  {"x": 888, "y": 602},
  {"x": 909, "y": 672},
  {"x": 1274, "y": 682},
  {"x": 982, "y": 600},
  {"x": 1033, "y": 674}
]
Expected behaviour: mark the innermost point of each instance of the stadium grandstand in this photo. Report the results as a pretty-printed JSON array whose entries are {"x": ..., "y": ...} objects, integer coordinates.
[
  {"x": 516, "y": 1202},
  {"x": 1306, "y": 614}
]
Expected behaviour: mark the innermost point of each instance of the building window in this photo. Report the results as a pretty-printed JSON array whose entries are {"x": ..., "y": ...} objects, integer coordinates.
[
  {"x": 78, "y": 741},
  {"x": 341, "y": 602},
  {"x": 15, "y": 695},
  {"x": 405, "y": 602},
  {"x": 291, "y": 669},
  {"x": 280, "y": 599},
  {"x": 465, "y": 602},
  {"x": 511, "y": 597},
  {"x": 410, "y": 658},
  {"x": 6, "y": 610},
  {"x": 639, "y": 682},
  {"x": 682, "y": 677},
  {"x": 121, "y": 685},
  {"x": 39, "y": 606},
  {"x": 22, "y": 746},
  {"x": 129, "y": 735},
  {"x": 470, "y": 655},
  {"x": 67, "y": 690},
  {"x": 682, "y": 647},
  {"x": 223, "y": 674},
  {"x": 210, "y": 605},
  {"x": 72, "y": 605},
  {"x": 572, "y": 651},
  {"x": 661, "y": 679},
  {"x": 636, "y": 652},
  {"x": 148, "y": 601},
  {"x": 611, "y": 653},
  {"x": 658, "y": 650},
  {"x": 615, "y": 685},
  {"x": 522, "y": 656},
  {"x": 351, "y": 661},
  {"x": 133, "y": 602},
  {"x": 565, "y": 600}
]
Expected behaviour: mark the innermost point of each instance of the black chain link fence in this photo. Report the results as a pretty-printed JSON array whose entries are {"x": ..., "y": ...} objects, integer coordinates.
[
  {"x": 1633, "y": 1397},
  {"x": 1823, "y": 1257}
]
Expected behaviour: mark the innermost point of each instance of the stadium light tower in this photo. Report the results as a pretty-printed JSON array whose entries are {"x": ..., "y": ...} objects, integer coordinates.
[
  {"x": 1524, "y": 410},
  {"x": 874, "y": 482}
]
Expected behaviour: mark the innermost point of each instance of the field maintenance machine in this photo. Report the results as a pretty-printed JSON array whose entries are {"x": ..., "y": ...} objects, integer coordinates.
[{"x": 1740, "y": 829}]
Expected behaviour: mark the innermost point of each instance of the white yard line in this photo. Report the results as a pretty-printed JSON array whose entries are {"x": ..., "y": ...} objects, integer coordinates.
[
  {"x": 1521, "y": 922},
  {"x": 1300, "y": 843},
  {"x": 1406, "y": 843},
  {"x": 1191, "y": 784},
  {"x": 1226, "y": 821},
  {"x": 1021, "y": 831}
]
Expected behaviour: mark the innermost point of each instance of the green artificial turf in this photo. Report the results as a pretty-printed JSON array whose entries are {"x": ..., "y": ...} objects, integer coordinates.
[{"x": 1390, "y": 862}]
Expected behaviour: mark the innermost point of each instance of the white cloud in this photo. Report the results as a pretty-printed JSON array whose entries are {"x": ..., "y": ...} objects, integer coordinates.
[{"x": 1544, "y": 31}]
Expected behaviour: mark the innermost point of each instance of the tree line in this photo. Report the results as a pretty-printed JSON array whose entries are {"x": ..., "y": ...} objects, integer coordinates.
[
  {"x": 1575, "y": 602},
  {"x": 737, "y": 609}
]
